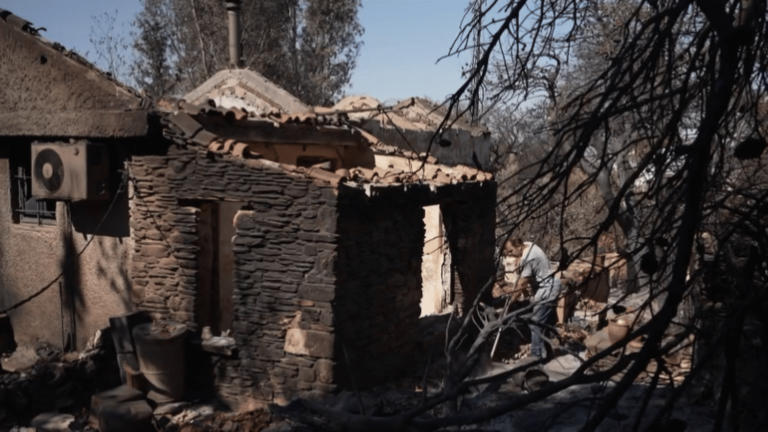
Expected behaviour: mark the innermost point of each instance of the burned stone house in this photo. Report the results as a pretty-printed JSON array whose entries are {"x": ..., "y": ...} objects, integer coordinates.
[{"x": 298, "y": 231}]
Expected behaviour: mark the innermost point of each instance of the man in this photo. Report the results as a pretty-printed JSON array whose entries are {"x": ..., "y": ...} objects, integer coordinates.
[{"x": 535, "y": 273}]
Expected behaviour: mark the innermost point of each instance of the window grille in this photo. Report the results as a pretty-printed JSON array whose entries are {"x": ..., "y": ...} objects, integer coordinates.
[{"x": 27, "y": 208}]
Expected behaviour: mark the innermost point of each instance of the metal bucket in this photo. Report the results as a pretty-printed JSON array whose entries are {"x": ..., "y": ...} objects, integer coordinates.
[{"x": 160, "y": 351}]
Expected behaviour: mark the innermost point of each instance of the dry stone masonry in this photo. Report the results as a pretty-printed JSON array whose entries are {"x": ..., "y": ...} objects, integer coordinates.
[{"x": 317, "y": 270}]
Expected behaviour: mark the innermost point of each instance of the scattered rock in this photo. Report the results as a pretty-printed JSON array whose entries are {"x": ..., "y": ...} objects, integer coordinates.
[
  {"x": 192, "y": 413},
  {"x": 52, "y": 422},
  {"x": 114, "y": 396},
  {"x": 134, "y": 416},
  {"x": 22, "y": 358},
  {"x": 46, "y": 351},
  {"x": 22, "y": 429},
  {"x": 171, "y": 409}
]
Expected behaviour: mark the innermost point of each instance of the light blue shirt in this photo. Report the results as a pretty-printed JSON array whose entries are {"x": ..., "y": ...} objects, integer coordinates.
[{"x": 535, "y": 264}]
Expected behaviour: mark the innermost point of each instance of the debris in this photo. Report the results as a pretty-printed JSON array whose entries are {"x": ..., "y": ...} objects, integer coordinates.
[
  {"x": 53, "y": 422},
  {"x": 46, "y": 351},
  {"x": 219, "y": 345},
  {"x": 117, "y": 395},
  {"x": 171, "y": 409},
  {"x": 134, "y": 416},
  {"x": 535, "y": 379},
  {"x": 23, "y": 429},
  {"x": 192, "y": 413},
  {"x": 24, "y": 357},
  {"x": 95, "y": 342}
]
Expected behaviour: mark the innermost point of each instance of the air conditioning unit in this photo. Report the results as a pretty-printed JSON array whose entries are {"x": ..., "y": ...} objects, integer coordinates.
[{"x": 70, "y": 171}]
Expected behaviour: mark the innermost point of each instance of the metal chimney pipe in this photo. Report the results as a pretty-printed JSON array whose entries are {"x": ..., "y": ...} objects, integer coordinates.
[{"x": 235, "y": 42}]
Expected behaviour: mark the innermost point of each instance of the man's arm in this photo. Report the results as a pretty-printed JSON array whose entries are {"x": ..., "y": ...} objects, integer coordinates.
[{"x": 523, "y": 286}]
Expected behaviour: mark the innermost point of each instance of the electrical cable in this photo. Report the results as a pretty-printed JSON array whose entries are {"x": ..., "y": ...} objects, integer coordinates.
[{"x": 121, "y": 189}]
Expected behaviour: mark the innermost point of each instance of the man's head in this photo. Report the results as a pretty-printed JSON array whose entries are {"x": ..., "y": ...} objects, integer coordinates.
[{"x": 513, "y": 247}]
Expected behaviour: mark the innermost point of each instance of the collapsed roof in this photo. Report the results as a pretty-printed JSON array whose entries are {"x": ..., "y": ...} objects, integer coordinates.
[
  {"x": 412, "y": 126},
  {"x": 267, "y": 139}
]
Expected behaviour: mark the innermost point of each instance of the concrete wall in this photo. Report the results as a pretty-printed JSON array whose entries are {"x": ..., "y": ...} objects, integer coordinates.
[{"x": 32, "y": 256}]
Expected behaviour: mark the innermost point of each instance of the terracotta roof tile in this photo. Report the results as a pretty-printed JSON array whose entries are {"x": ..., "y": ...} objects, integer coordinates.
[{"x": 182, "y": 128}]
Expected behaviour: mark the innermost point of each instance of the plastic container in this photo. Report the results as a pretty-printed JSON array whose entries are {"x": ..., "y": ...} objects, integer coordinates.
[{"x": 160, "y": 350}]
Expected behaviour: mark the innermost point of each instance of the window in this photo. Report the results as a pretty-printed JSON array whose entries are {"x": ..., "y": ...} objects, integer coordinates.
[{"x": 26, "y": 208}]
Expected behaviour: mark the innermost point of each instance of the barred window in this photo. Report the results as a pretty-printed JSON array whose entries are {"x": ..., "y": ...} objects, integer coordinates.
[{"x": 26, "y": 208}]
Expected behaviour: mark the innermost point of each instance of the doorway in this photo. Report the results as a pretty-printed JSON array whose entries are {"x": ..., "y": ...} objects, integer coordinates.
[
  {"x": 436, "y": 290},
  {"x": 216, "y": 261}
]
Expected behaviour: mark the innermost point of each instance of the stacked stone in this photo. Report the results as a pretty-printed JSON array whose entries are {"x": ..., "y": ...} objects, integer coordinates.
[
  {"x": 164, "y": 267},
  {"x": 314, "y": 272},
  {"x": 470, "y": 221},
  {"x": 284, "y": 246},
  {"x": 379, "y": 282},
  {"x": 284, "y": 251}
]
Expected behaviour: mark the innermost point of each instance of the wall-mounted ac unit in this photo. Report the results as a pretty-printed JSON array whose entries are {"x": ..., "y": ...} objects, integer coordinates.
[{"x": 70, "y": 171}]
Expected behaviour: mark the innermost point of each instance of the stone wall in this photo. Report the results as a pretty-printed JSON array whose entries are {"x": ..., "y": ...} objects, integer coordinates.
[
  {"x": 381, "y": 241},
  {"x": 470, "y": 223},
  {"x": 284, "y": 248},
  {"x": 316, "y": 270},
  {"x": 381, "y": 245}
]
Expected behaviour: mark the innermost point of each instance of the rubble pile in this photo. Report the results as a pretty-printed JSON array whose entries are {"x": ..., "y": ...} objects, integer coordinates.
[
  {"x": 53, "y": 381},
  {"x": 205, "y": 419}
]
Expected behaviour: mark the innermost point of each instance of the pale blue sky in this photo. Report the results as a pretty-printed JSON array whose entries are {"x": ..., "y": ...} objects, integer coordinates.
[{"x": 402, "y": 41}]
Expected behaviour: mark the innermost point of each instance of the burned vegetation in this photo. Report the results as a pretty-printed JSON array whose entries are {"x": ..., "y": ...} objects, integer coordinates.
[{"x": 594, "y": 260}]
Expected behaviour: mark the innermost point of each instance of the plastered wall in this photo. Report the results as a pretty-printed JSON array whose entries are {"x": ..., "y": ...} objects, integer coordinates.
[{"x": 95, "y": 286}]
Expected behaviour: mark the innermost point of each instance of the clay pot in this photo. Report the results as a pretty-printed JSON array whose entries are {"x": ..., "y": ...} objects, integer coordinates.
[{"x": 617, "y": 329}]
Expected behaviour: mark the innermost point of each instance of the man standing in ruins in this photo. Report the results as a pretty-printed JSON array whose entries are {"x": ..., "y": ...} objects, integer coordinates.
[{"x": 535, "y": 273}]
